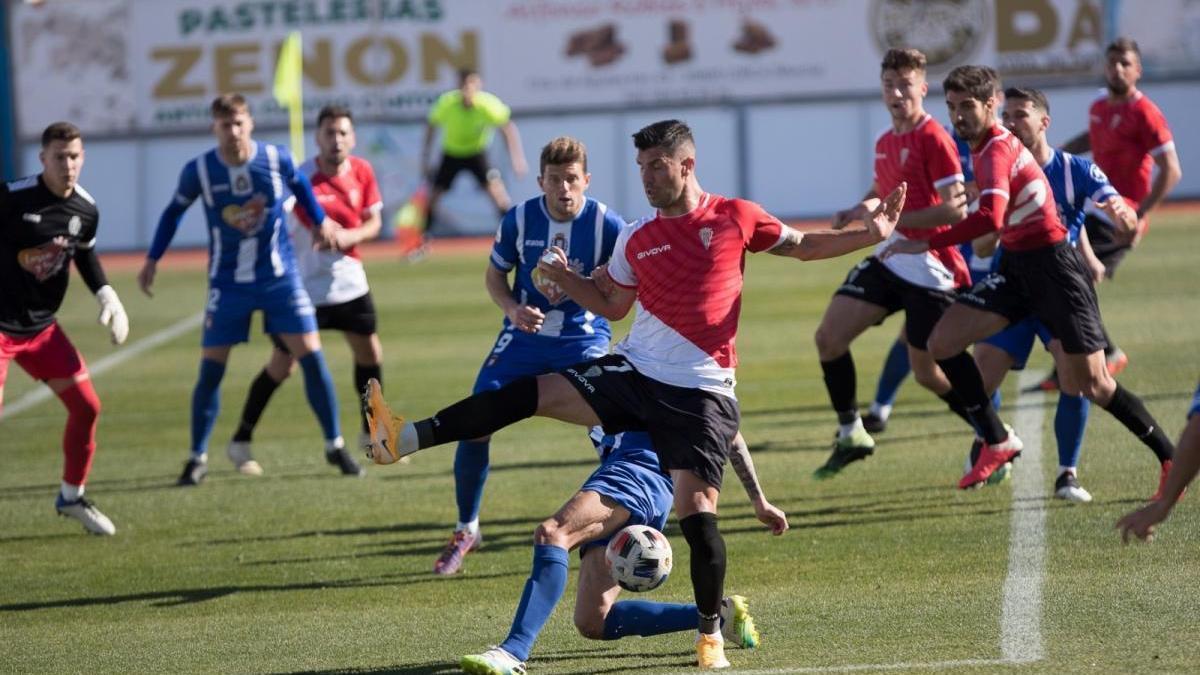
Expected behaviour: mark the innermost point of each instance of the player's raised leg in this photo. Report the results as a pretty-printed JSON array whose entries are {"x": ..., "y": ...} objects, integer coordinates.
[{"x": 476, "y": 416}]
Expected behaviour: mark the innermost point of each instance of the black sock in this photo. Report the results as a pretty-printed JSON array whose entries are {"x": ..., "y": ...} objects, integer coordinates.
[
  {"x": 480, "y": 415},
  {"x": 840, "y": 381},
  {"x": 708, "y": 567},
  {"x": 1130, "y": 411},
  {"x": 361, "y": 375},
  {"x": 968, "y": 383},
  {"x": 956, "y": 405},
  {"x": 256, "y": 401}
]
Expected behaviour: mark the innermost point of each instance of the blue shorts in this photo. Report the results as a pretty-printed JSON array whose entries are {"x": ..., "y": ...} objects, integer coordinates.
[
  {"x": 1195, "y": 403},
  {"x": 640, "y": 487},
  {"x": 1017, "y": 340},
  {"x": 516, "y": 355},
  {"x": 284, "y": 303}
]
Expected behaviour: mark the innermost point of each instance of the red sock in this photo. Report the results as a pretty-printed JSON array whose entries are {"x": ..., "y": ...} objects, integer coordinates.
[{"x": 79, "y": 439}]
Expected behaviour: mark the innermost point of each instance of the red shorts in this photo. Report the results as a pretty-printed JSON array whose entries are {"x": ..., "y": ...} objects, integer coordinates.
[{"x": 49, "y": 355}]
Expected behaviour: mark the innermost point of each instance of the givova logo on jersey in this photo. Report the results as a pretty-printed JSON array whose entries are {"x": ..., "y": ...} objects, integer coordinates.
[{"x": 247, "y": 217}]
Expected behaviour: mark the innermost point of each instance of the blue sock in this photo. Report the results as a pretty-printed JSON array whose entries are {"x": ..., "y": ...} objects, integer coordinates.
[
  {"x": 895, "y": 369},
  {"x": 318, "y": 386},
  {"x": 206, "y": 402},
  {"x": 1070, "y": 421},
  {"x": 543, "y": 589},
  {"x": 470, "y": 474},
  {"x": 645, "y": 618}
]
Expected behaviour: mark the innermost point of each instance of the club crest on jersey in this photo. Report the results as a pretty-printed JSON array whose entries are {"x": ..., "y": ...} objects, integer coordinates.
[
  {"x": 706, "y": 236},
  {"x": 46, "y": 260},
  {"x": 248, "y": 217},
  {"x": 903, "y": 156},
  {"x": 74, "y": 225}
]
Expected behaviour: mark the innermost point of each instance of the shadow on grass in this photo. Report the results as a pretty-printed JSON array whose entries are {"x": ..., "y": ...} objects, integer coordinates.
[
  {"x": 649, "y": 660},
  {"x": 189, "y": 596}
]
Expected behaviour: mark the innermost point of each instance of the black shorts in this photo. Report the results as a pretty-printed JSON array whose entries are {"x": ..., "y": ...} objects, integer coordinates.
[
  {"x": 1051, "y": 284},
  {"x": 871, "y": 281},
  {"x": 691, "y": 429},
  {"x": 1104, "y": 244},
  {"x": 355, "y": 316},
  {"x": 477, "y": 165}
]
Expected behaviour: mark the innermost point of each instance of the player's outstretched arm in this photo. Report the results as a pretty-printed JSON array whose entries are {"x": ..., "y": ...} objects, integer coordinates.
[
  {"x": 584, "y": 290},
  {"x": 743, "y": 466},
  {"x": 857, "y": 212},
  {"x": 1184, "y": 467},
  {"x": 820, "y": 245}
]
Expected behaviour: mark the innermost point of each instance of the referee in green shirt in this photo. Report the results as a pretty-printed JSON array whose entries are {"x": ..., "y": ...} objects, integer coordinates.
[{"x": 468, "y": 116}]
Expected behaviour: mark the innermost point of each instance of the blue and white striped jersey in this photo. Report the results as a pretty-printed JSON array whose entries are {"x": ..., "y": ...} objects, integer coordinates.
[
  {"x": 1075, "y": 182},
  {"x": 526, "y": 231},
  {"x": 243, "y": 205}
]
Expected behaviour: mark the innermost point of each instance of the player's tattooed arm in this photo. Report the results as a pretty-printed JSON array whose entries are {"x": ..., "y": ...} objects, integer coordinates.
[
  {"x": 743, "y": 466},
  {"x": 609, "y": 300}
]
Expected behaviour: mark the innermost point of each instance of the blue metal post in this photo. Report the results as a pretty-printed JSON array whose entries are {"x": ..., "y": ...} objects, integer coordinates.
[{"x": 8, "y": 131}]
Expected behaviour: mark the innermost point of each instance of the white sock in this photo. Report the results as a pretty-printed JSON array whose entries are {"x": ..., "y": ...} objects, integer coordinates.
[
  {"x": 1067, "y": 469},
  {"x": 335, "y": 444},
  {"x": 202, "y": 458},
  {"x": 881, "y": 410},
  {"x": 409, "y": 441},
  {"x": 845, "y": 430},
  {"x": 71, "y": 493},
  {"x": 472, "y": 527}
]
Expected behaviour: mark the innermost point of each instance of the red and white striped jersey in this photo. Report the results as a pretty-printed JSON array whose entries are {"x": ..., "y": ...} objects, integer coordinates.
[
  {"x": 1014, "y": 197},
  {"x": 927, "y": 159},
  {"x": 688, "y": 274}
]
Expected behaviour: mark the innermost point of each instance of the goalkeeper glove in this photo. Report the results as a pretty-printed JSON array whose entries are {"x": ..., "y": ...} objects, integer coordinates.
[{"x": 112, "y": 314}]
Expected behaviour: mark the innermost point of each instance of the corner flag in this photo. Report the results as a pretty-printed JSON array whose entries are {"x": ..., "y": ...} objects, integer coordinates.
[{"x": 289, "y": 71}]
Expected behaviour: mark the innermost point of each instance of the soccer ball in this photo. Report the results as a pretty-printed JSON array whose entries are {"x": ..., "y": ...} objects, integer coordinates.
[{"x": 639, "y": 558}]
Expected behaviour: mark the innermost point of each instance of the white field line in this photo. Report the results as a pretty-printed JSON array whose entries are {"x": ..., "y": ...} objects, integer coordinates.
[
  {"x": 1021, "y": 610},
  {"x": 1021, "y": 614},
  {"x": 42, "y": 394}
]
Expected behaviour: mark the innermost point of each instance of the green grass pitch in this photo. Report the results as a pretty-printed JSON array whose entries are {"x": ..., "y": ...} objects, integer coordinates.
[{"x": 302, "y": 570}]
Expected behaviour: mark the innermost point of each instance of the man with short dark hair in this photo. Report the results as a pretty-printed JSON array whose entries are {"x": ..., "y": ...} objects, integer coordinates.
[
  {"x": 467, "y": 116},
  {"x": 1129, "y": 138},
  {"x": 1040, "y": 274},
  {"x": 673, "y": 375},
  {"x": 915, "y": 150},
  {"x": 46, "y": 221},
  {"x": 251, "y": 268},
  {"x": 1075, "y": 182},
  {"x": 335, "y": 279}
]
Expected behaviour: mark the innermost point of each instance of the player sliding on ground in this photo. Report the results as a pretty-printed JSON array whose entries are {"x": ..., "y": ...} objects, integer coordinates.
[{"x": 628, "y": 488}]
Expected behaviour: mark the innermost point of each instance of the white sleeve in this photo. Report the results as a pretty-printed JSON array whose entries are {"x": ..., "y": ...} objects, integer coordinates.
[{"x": 618, "y": 265}]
